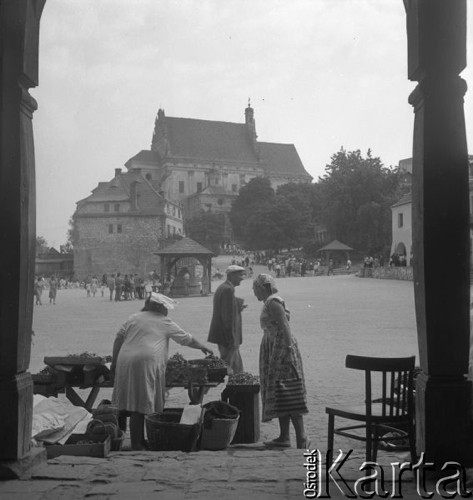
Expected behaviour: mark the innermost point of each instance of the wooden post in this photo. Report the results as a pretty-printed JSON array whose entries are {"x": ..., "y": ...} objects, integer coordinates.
[
  {"x": 19, "y": 37},
  {"x": 436, "y": 55}
]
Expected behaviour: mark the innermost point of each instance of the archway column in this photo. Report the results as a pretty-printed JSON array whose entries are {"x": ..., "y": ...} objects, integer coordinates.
[
  {"x": 440, "y": 208},
  {"x": 19, "y": 71}
]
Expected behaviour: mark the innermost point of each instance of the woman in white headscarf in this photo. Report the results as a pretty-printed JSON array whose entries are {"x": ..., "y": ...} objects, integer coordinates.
[{"x": 140, "y": 354}]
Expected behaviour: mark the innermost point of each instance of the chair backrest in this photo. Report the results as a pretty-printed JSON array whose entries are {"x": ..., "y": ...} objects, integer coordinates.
[{"x": 396, "y": 383}]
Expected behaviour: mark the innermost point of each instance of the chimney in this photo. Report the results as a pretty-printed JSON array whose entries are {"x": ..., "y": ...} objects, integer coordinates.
[
  {"x": 118, "y": 171},
  {"x": 134, "y": 195}
]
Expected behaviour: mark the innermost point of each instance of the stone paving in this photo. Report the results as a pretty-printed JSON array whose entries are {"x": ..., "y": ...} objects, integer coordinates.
[
  {"x": 249, "y": 471},
  {"x": 330, "y": 316}
]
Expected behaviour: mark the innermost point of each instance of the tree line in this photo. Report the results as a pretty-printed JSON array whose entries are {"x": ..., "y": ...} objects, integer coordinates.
[{"x": 351, "y": 201}]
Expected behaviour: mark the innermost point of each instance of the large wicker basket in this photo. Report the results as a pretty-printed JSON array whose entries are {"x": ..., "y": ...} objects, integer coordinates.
[
  {"x": 220, "y": 434},
  {"x": 165, "y": 433}
]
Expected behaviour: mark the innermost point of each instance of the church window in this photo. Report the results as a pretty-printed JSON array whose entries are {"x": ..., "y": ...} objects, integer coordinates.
[
  {"x": 106, "y": 207},
  {"x": 169, "y": 229},
  {"x": 110, "y": 228},
  {"x": 199, "y": 187},
  {"x": 119, "y": 228},
  {"x": 116, "y": 207},
  {"x": 400, "y": 220},
  {"x": 181, "y": 186},
  {"x": 234, "y": 188},
  {"x": 148, "y": 176},
  {"x": 220, "y": 201}
]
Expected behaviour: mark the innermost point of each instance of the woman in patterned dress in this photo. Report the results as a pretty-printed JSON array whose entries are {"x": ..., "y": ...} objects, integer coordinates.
[{"x": 279, "y": 361}]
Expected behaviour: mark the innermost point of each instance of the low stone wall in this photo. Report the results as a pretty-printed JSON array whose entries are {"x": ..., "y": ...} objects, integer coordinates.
[{"x": 387, "y": 273}]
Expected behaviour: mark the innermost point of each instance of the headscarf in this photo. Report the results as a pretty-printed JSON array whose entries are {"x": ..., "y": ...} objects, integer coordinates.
[
  {"x": 265, "y": 279},
  {"x": 164, "y": 300}
]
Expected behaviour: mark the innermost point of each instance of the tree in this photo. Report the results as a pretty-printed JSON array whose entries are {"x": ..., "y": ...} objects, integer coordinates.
[
  {"x": 268, "y": 220},
  {"x": 207, "y": 228},
  {"x": 72, "y": 233},
  {"x": 356, "y": 195},
  {"x": 258, "y": 192},
  {"x": 41, "y": 245}
]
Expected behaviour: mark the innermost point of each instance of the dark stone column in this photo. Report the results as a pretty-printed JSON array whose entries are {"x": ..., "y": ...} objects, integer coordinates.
[
  {"x": 437, "y": 54},
  {"x": 19, "y": 36}
]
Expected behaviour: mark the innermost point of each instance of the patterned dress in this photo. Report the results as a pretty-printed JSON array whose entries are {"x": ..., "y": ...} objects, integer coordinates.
[{"x": 277, "y": 362}]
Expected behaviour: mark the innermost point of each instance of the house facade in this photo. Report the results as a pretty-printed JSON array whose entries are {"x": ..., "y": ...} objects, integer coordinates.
[
  {"x": 401, "y": 215},
  {"x": 119, "y": 226}
]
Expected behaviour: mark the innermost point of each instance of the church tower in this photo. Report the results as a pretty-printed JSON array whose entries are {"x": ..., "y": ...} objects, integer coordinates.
[{"x": 251, "y": 127}]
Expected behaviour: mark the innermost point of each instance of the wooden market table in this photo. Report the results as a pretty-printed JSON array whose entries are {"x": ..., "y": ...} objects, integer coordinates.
[{"x": 71, "y": 373}]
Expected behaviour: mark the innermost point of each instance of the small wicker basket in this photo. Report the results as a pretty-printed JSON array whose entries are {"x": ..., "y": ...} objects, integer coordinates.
[
  {"x": 165, "y": 433},
  {"x": 220, "y": 434}
]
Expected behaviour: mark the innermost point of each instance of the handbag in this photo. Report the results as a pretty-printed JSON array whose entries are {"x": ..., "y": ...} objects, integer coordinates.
[{"x": 289, "y": 395}]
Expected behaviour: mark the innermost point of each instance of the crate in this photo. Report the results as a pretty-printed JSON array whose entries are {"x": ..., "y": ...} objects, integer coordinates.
[
  {"x": 220, "y": 434},
  {"x": 165, "y": 433},
  {"x": 246, "y": 399},
  {"x": 98, "y": 446}
]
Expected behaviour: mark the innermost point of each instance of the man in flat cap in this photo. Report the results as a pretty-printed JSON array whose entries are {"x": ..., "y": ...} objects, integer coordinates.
[{"x": 225, "y": 327}]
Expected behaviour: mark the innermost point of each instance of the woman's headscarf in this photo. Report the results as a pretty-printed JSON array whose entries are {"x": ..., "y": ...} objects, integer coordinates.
[
  {"x": 164, "y": 300},
  {"x": 265, "y": 279}
]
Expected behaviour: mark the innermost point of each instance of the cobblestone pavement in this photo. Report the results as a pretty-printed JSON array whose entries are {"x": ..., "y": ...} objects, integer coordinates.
[
  {"x": 236, "y": 473},
  {"x": 330, "y": 316}
]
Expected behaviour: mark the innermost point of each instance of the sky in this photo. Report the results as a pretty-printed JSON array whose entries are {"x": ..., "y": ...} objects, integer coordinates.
[{"x": 321, "y": 74}]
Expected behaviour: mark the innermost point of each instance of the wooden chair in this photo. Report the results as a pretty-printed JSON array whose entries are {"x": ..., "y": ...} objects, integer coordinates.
[{"x": 387, "y": 415}]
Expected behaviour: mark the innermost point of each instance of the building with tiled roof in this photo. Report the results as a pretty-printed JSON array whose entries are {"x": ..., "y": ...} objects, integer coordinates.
[
  {"x": 192, "y": 165},
  {"x": 203, "y": 163},
  {"x": 120, "y": 225}
]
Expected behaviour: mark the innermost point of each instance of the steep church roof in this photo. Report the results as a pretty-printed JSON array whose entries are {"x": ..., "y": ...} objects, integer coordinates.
[
  {"x": 217, "y": 141},
  {"x": 281, "y": 159},
  {"x": 209, "y": 140}
]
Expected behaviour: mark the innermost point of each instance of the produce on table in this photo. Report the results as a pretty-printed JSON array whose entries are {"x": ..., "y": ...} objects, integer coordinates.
[{"x": 243, "y": 378}]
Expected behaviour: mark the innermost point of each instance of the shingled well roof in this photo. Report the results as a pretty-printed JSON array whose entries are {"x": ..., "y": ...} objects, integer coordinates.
[{"x": 185, "y": 246}]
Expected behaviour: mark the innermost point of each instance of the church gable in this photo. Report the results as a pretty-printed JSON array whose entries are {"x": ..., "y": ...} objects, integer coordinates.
[{"x": 282, "y": 159}]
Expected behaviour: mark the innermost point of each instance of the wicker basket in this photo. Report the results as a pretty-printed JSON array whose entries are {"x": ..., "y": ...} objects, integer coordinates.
[
  {"x": 116, "y": 444},
  {"x": 220, "y": 434},
  {"x": 165, "y": 433}
]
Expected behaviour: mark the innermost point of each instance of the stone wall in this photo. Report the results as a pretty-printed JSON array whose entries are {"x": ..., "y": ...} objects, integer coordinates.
[
  {"x": 97, "y": 251},
  {"x": 389, "y": 273}
]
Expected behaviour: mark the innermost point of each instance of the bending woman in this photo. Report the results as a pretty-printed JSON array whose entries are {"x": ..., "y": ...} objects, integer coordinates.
[
  {"x": 140, "y": 355},
  {"x": 283, "y": 391}
]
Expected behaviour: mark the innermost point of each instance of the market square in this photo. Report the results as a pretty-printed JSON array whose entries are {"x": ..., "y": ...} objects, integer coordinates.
[{"x": 330, "y": 317}]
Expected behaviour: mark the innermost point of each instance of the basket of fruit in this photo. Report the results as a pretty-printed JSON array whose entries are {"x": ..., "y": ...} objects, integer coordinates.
[
  {"x": 216, "y": 368},
  {"x": 243, "y": 382},
  {"x": 177, "y": 371}
]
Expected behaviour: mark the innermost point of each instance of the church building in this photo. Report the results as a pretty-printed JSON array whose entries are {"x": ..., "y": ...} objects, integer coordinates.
[{"x": 204, "y": 163}]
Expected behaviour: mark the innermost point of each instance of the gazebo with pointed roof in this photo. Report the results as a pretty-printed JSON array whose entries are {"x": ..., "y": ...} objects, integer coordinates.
[
  {"x": 335, "y": 246},
  {"x": 186, "y": 247}
]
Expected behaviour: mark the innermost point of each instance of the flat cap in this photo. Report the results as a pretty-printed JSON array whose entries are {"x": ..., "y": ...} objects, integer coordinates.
[{"x": 234, "y": 269}]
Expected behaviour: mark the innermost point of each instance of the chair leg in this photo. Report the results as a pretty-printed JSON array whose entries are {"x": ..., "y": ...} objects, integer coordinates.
[
  {"x": 374, "y": 444},
  {"x": 331, "y": 426},
  {"x": 412, "y": 443},
  {"x": 368, "y": 441}
]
